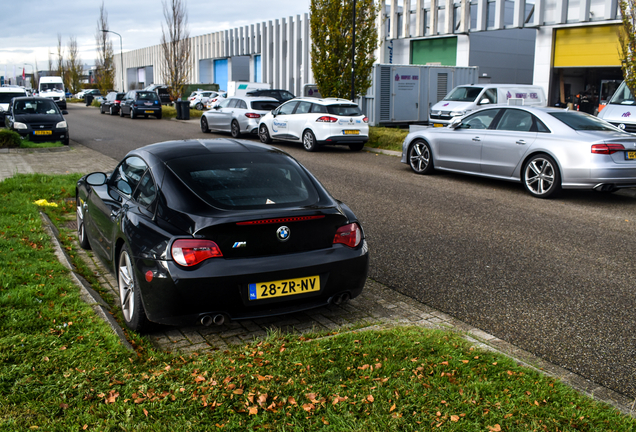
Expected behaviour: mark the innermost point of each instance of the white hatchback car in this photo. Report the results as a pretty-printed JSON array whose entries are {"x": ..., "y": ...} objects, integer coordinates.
[
  {"x": 199, "y": 99},
  {"x": 316, "y": 122},
  {"x": 237, "y": 115}
]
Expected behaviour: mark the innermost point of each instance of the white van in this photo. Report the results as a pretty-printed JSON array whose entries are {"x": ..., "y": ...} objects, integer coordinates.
[
  {"x": 619, "y": 109},
  {"x": 240, "y": 88},
  {"x": 53, "y": 87},
  {"x": 466, "y": 98},
  {"x": 6, "y": 94}
]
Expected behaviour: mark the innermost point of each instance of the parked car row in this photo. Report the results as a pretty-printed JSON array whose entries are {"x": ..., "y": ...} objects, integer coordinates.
[{"x": 135, "y": 103}]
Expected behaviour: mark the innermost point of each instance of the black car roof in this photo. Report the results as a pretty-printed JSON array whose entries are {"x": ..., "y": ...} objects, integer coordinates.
[{"x": 170, "y": 150}]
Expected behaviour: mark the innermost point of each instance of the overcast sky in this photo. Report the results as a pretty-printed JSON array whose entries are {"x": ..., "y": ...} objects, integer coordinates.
[{"x": 30, "y": 27}]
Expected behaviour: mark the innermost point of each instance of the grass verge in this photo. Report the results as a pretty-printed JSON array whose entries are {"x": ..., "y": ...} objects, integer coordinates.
[
  {"x": 62, "y": 369},
  {"x": 170, "y": 111},
  {"x": 386, "y": 138}
]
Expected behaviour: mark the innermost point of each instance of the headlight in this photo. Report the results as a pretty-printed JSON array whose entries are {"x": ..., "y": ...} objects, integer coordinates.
[
  {"x": 18, "y": 125},
  {"x": 61, "y": 125},
  {"x": 457, "y": 113}
]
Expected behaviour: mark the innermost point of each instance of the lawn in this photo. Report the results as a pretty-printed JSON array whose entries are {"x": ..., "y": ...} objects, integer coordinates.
[{"x": 62, "y": 369}]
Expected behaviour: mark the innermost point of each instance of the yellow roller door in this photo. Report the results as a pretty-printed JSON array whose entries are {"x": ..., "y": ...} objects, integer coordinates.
[{"x": 587, "y": 46}]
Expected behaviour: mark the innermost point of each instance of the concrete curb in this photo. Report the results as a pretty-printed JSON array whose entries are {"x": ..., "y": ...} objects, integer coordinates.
[
  {"x": 35, "y": 150},
  {"x": 382, "y": 151},
  {"x": 89, "y": 295}
]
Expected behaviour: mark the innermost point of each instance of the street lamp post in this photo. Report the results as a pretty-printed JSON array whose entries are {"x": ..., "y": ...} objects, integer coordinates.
[
  {"x": 121, "y": 53},
  {"x": 353, "y": 55}
]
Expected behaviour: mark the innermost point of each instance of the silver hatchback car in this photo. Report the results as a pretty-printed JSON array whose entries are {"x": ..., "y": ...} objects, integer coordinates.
[
  {"x": 546, "y": 149},
  {"x": 237, "y": 115}
]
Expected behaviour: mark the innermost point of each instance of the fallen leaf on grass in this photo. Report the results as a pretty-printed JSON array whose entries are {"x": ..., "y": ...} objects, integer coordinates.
[
  {"x": 308, "y": 407},
  {"x": 145, "y": 412},
  {"x": 495, "y": 428},
  {"x": 253, "y": 410},
  {"x": 454, "y": 418},
  {"x": 370, "y": 398}
]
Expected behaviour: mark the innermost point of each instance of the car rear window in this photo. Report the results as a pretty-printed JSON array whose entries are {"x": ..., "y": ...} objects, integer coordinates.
[
  {"x": 344, "y": 110},
  {"x": 6, "y": 97},
  {"x": 581, "y": 121},
  {"x": 246, "y": 180},
  {"x": 150, "y": 96},
  {"x": 264, "y": 105}
]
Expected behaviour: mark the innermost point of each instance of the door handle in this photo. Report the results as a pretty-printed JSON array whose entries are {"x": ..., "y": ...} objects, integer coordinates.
[
  {"x": 521, "y": 142},
  {"x": 476, "y": 139}
]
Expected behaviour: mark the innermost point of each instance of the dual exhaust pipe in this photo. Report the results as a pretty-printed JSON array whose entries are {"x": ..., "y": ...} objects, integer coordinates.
[
  {"x": 340, "y": 298},
  {"x": 207, "y": 320}
]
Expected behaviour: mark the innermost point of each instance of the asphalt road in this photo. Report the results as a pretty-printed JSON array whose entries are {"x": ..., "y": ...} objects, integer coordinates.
[{"x": 554, "y": 277}]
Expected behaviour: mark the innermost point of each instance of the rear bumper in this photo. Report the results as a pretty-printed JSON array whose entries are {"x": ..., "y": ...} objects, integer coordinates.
[
  {"x": 344, "y": 139},
  {"x": 178, "y": 296}
]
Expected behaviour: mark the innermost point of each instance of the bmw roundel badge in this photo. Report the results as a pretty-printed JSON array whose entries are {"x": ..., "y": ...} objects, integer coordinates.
[{"x": 283, "y": 233}]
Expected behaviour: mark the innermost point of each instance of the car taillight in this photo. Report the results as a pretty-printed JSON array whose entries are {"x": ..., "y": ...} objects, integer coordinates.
[
  {"x": 252, "y": 115},
  {"x": 190, "y": 252},
  {"x": 348, "y": 235},
  {"x": 326, "y": 119},
  {"x": 607, "y": 148},
  {"x": 117, "y": 101},
  {"x": 366, "y": 119}
]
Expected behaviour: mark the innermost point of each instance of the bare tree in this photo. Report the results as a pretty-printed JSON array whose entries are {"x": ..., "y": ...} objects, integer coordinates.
[
  {"x": 105, "y": 70},
  {"x": 175, "y": 46},
  {"x": 74, "y": 68}
]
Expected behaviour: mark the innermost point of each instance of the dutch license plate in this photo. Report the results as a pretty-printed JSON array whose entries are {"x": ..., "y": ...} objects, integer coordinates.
[
  {"x": 351, "y": 132},
  {"x": 42, "y": 132},
  {"x": 148, "y": 112},
  {"x": 438, "y": 125},
  {"x": 630, "y": 155},
  {"x": 281, "y": 288}
]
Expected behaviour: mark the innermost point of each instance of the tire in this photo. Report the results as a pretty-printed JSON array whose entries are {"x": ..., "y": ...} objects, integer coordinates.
[
  {"x": 420, "y": 157},
  {"x": 121, "y": 112},
  {"x": 204, "y": 125},
  {"x": 235, "y": 129},
  {"x": 132, "y": 114},
  {"x": 263, "y": 134},
  {"x": 541, "y": 177},
  {"x": 158, "y": 116},
  {"x": 101, "y": 109},
  {"x": 356, "y": 146},
  {"x": 67, "y": 141},
  {"x": 199, "y": 106},
  {"x": 309, "y": 141},
  {"x": 111, "y": 111},
  {"x": 129, "y": 295},
  {"x": 81, "y": 229}
]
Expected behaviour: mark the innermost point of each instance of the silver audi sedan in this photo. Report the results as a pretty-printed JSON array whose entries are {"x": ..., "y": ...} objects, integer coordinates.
[{"x": 546, "y": 149}]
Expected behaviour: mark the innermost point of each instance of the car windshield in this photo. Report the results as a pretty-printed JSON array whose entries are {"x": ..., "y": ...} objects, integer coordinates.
[
  {"x": 344, "y": 110},
  {"x": 264, "y": 105},
  {"x": 35, "y": 107},
  {"x": 246, "y": 180},
  {"x": 581, "y": 121},
  {"x": 51, "y": 86},
  {"x": 6, "y": 97},
  {"x": 622, "y": 96},
  {"x": 464, "y": 94},
  {"x": 149, "y": 96}
]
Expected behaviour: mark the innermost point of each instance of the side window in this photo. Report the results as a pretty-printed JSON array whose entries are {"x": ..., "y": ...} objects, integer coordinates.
[
  {"x": 241, "y": 104},
  {"x": 146, "y": 191},
  {"x": 287, "y": 108},
  {"x": 319, "y": 109},
  {"x": 515, "y": 120},
  {"x": 491, "y": 95},
  {"x": 232, "y": 103},
  {"x": 480, "y": 120},
  {"x": 225, "y": 103},
  {"x": 303, "y": 107},
  {"x": 540, "y": 126},
  {"x": 128, "y": 174}
]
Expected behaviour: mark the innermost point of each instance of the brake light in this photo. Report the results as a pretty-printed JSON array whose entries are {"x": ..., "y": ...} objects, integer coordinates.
[
  {"x": 607, "y": 148},
  {"x": 252, "y": 115},
  {"x": 366, "y": 119},
  {"x": 281, "y": 220},
  {"x": 326, "y": 119},
  {"x": 190, "y": 252},
  {"x": 348, "y": 235}
]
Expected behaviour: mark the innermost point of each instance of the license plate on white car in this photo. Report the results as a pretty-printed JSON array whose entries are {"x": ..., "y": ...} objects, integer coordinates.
[
  {"x": 630, "y": 155},
  {"x": 351, "y": 132}
]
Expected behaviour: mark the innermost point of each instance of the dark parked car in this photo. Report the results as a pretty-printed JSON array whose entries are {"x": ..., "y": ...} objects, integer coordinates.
[
  {"x": 38, "y": 119},
  {"x": 140, "y": 103},
  {"x": 280, "y": 95},
  {"x": 163, "y": 91},
  {"x": 110, "y": 104},
  {"x": 199, "y": 231}
]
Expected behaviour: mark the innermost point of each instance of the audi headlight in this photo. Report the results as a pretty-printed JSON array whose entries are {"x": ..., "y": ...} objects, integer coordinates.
[
  {"x": 18, "y": 125},
  {"x": 457, "y": 113},
  {"x": 61, "y": 125}
]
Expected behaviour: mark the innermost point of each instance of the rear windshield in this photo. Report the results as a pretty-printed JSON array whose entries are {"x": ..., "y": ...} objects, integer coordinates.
[
  {"x": 581, "y": 121},
  {"x": 464, "y": 94},
  {"x": 264, "y": 105},
  {"x": 344, "y": 110},
  {"x": 6, "y": 97},
  {"x": 246, "y": 180},
  {"x": 150, "y": 96}
]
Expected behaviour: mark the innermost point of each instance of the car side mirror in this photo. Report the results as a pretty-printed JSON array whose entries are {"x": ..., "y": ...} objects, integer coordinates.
[
  {"x": 484, "y": 101},
  {"x": 64, "y": 112},
  {"x": 455, "y": 123},
  {"x": 96, "y": 179}
]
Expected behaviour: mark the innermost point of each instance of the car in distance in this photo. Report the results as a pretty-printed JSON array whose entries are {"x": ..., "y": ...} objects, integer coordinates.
[
  {"x": 214, "y": 101},
  {"x": 201, "y": 231},
  {"x": 37, "y": 119},
  {"x": 237, "y": 115},
  {"x": 110, "y": 104},
  {"x": 198, "y": 99},
  {"x": 316, "y": 122},
  {"x": 280, "y": 95},
  {"x": 6, "y": 94},
  {"x": 83, "y": 93},
  {"x": 140, "y": 103},
  {"x": 163, "y": 91},
  {"x": 545, "y": 149}
]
